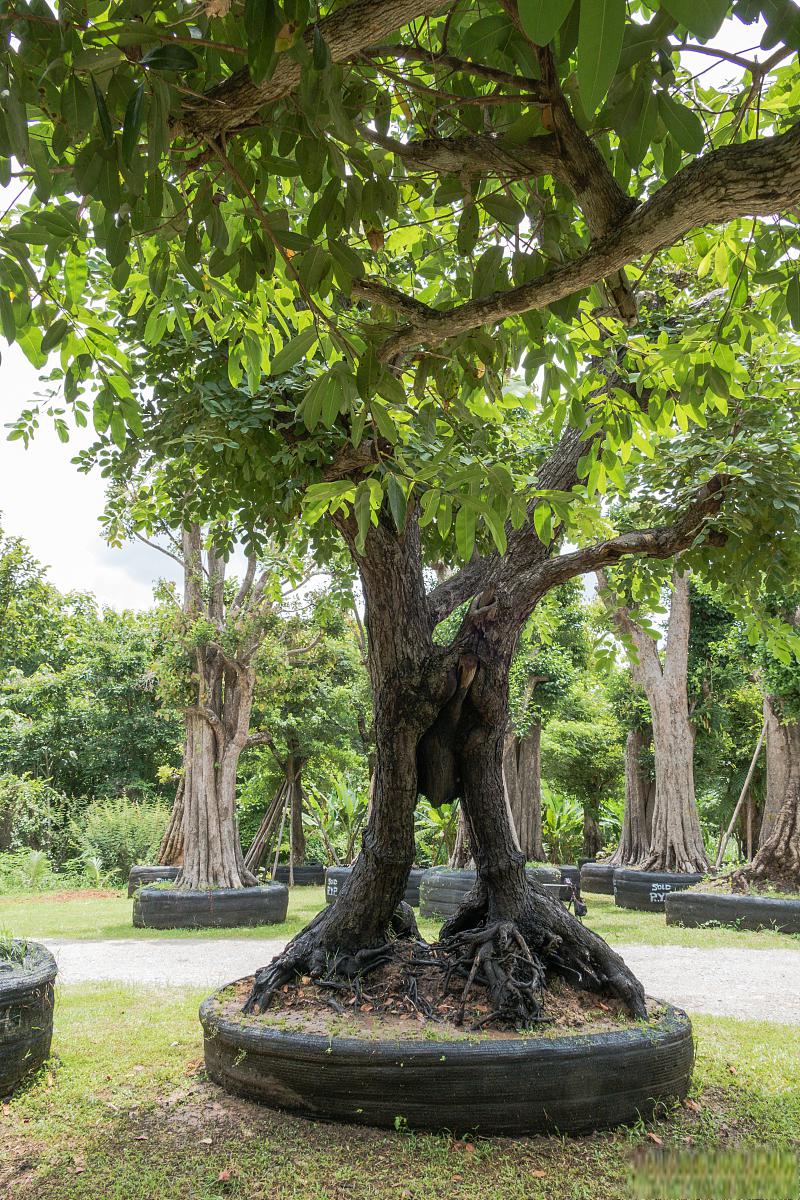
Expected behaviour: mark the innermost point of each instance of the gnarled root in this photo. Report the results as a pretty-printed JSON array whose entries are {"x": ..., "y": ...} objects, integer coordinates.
[
  {"x": 316, "y": 952},
  {"x": 556, "y": 943},
  {"x": 498, "y": 957}
]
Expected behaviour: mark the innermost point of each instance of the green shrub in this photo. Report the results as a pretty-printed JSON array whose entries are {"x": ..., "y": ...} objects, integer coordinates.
[
  {"x": 118, "y": 834},
  {"x": 562, "y": 825},
  {"x": 32, "y": 813}
]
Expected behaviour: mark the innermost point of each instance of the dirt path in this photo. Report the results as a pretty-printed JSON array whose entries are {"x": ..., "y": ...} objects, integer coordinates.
[{"x": 761, "y": 985}]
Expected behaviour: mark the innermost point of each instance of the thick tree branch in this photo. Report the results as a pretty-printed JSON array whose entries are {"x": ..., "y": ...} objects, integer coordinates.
[
  {"x": 646, "y": 667},
  {"x": 756, "y": 179},
  {"x": 476, "y": 154},
  {"x": 457, "y": 65},
  {"x": 662, "y": 541},
  {"x": 234, "y": 103}
]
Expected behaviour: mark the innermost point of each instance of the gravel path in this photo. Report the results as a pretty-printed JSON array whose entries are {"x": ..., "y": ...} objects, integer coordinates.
[{"x": 755, "y": 984}]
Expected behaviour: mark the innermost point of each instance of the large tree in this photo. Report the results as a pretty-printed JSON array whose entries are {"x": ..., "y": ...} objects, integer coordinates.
[{"x": 518, "y": 174}]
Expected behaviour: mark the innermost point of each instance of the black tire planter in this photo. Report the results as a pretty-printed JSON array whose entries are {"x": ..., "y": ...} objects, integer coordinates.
[
  {"x": 310, "y": 875},
  {"x": 26, "y": 1015},
  {"x": 144, "y": 876},
  {"x": 647, "y": 890},
  {"x": 745, "y": 912},
  {"x": 222, "y": 908},
  {"x": 335, "y": 877},
  {"x": 598, "y": 878},
  {"x": 512, "y": 1086},
  {"x": 443, "y": 889}
]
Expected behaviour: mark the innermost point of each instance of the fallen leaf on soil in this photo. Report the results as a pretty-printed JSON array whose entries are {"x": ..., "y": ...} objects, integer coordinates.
[
  {"x": 692, "y": 1105},
  {"x": 224, "y": 1175},
  {"x": 141, "y": 1137},
  {"x": 655, "y": 1138},
  {"x": 539, "y": 1174},
  {"x": 458, "y": 1178},
  {"x": 732, "y": 1069},
  {"x": 205, "y": 1141}
]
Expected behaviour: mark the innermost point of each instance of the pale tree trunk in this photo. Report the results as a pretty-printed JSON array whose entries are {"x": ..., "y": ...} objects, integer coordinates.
[
  {"x": 212, "y": 849},
  {"x": 777, "y": 861},
  {"x": 462, "y": 854},
  {"x": 637, "y": 821},
  {"x": 676, "y": 842},
  {"x": 522, "y": 771},
  {"x": 783, "y": 762}
]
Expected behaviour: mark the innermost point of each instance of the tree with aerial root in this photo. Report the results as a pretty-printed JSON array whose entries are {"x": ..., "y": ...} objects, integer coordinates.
[
  {"x": 211, "y": 669},
  {"x": 676, "y": 839},
  {"x": 486, "y": 293},
  {"x": 777, "y": 861}
]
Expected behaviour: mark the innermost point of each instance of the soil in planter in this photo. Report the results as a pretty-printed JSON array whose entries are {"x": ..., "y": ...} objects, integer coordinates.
[{"x": 413, "y": 996}]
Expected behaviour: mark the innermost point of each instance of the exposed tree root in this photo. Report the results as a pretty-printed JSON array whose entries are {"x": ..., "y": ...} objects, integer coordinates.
[{"x": 508, "y": 957}]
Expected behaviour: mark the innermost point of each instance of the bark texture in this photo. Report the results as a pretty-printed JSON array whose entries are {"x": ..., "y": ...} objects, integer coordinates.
[
  {"x": 783, "y": 763},
  {"x": 170, "y": 853},
  {"x": 676, "y": 840},
  {"x": 637, "y": 822},
  {"x": 522, "y": 771}
]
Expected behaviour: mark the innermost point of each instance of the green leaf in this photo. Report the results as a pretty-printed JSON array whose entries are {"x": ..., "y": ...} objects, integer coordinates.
[
  {"x": 314, "y": 401},
  {"x": 465, "y": 531},
  {"x": 170, "y": 56},
  {"x": 7, "y": 322},
  {"x": 504, "y": 209},
  {"x": 793, "y": 300},
  {"x": 261, "y": 27},
  {"x": 293, "y": 351},
  {"x": 16, "y": 117},
  {"x": 363, "y": 511},
  {"x": 602, "y": 24},
  {"x": 320, "y": 54},
  {"x": 132, "y": 124},
  {"x": 469, "y": 227},
  {"x": 684, "y": 125},
  {"x": 76, "y": 106},
  {"x": 397, "y": 502},
  {"x": 102, "y": 112},
  {"x": 55, "y": 334},
  {"x": 542, "y": 19},
  {"x": 701, "y": 17},
  {"x": 543, "y": 522}
]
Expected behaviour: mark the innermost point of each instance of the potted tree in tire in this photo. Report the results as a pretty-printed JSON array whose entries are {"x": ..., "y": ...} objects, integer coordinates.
[{"x": 480, "y": 371}]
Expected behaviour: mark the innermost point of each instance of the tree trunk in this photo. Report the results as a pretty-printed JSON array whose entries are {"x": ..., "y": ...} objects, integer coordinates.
[
  {"x": 170, "y": 853},
  {"x": 676, "y": 840},
  {"x": 522, "y": 770},
  {"x": 216, "y": 734},
  {"x": 462, "y": 852},
  {"x": 637, "y": 822},
  {"x": 441, "y": 715},
  {"x": 294, "y": 769},
  {"x": 783, "y": 762}
]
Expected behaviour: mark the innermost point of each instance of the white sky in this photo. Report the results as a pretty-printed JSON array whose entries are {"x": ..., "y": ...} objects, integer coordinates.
[{"x": 45, "y": 499}]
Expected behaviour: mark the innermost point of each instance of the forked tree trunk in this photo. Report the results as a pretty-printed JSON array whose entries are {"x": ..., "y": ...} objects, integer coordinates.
[
  {"x": 441, "y": 715},
  {"x": 170, "y": 853},
  {"x": 212, "y": 849},
  {"x": 637, "y": 821},
  {"x": 783, "y": 763},
  {"x": 676, "y": 842},
  {"x": 522, "y": 770}
]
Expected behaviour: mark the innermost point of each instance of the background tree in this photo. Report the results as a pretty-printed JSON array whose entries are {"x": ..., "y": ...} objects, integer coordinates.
[{"x": 551, "y": 648}]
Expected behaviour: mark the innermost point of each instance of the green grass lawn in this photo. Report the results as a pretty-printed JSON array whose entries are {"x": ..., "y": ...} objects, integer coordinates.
[
  {"x": 124, "y": 1113},
  {"x": 109, "y": 916}
]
